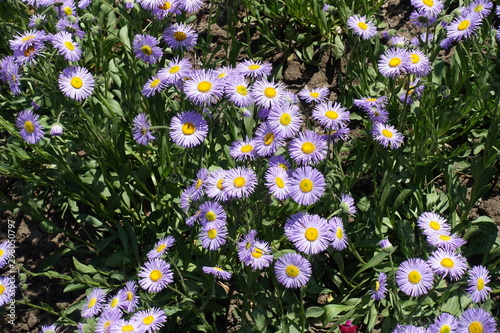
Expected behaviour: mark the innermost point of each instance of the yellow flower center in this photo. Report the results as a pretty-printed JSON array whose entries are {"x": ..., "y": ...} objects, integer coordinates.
[
  {"x": 68, "y": 11},
  {"x": 308, "y": 148},
  {"x": 210, "y": 216},
  {"x": 371, "y": 99},
  {"x": 174, "y": 69},
  {"x": 414, "y": 277},
  {"x": 246, "y": 149},
  {"x": 204, "y": 86},
  {"x": 221, "y": 75},
  {"x": 128, "y": 328},
  {"x": 444, "y": 238},
  {"x": 219, "y": 184},
  {"x": 188, "y": 128},
  {"x": 377, "y": 285},
  {"x": 114, "y": 302},
  {"x": 268, "y": 138},
  {"x": 445, "y": 329},
  {"x": 428, "y": 3},
  {"x": 362, "y": 25},
  {"x": 292, "y": 271},
  {"x": 284, "y": 167},
  {"x": 155, "y": 83},
  {"x": 279, "y": 182},
  {"x": 69, "y": 45},
  {"x": 161, "y": 247},
  {"x": 28, "y": 38},
  {"x": 414, "y": 58},
  {"x": 339, "y": 234},
  {"x": 475, "y": 327},
  {"x": 285, "y": 119},
  {"x": 212, "y": 233},
  {"x": 478, "y": 8},
  {"x": 147, "y": 50},
  {"x": 270, "y": 92},
  {"x": 155, "y": 275},
  {"x": 331, "y": 114},
  {"x": 29, "y": 127},
  {"x": 253, "y": 67},
  {"x": 306, "y": 185},
  {"x": 130, "y": 296},
  {"x": 199, "y": 182},
  {"x": 92, "y": 302},
  {"x": 179, "y": 36},
  {"x": 148, "y": 320},
  {"x": 447, "y": 263},
  {"x": 387, "y": 133},
  {"x": 463, "y": 25},
  {"x": 394, "y": 62},
  {"x": 314, "y": 94},
  {"x": 107, "y": 325},
  {"x": 1, "y": 253},
  {"x": 480, "y": 284},
  {"x": 2, "y": 289},
  {"x": 239, "y": 182},
  {"x": 257, "y": 253},
  {"x": 434, "y": 225},
  {"x": 165, "y": 6},
  {"x": 242, "y": 90},
  {"x": 76, "y": 82},
  {"x": 311, "y": 234}
]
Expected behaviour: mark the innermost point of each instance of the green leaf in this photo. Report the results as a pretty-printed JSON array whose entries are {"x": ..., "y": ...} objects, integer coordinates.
[
  {"x": 86, "y": 269},
  {"x": 377, "y": 259},
  {"x": 314, "y": 312}
]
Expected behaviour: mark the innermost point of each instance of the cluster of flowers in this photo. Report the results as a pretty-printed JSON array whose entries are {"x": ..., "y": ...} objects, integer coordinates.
[
  {"x": 415, "y": 276},
  {"x": 7, "y": 286}
]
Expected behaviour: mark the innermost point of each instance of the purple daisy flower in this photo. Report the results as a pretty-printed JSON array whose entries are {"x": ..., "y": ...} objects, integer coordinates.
[
  {"x": 444, "y": 323},
  {"x": 7, "y": 289},
  {"x": 166, "y": 9},
  {"x": 330, "y": 115},
  {"x": 217, "y": 272},
  {"x": 268, "y": 94},
  {"x": 72, "y": 27},
  {"x": 278, "y": 182},
  {"x": 203, "y": 88},
  {"x": 56, "y": 129},
  {"x": 339, "y": 239},
  {"x": 421, "y": 19},
  {"x": 63, "y": 42},
  {"x": 307, "y": 185},
  {"x": 430, "y": 7},
  {"x": 188, "y": 129},
  {"x": 106, "y": 321},
  {"x": 259, "y": 255},
  {"x": 192, "y": 6},
  {"x": 308, "y": 148},
  {"x": 132, "y": 300},
  {"x": 161, "y": 247},
  {"x": 433, "y": 223},
  {"x": 6, "y": 250},
  {"x": 387, "y": 135},
  {"x": 9, "y": 72},
  {"x": 122, "y": 325},
  {"x": 29, "y": 39},
  {"x": 363, "y": 28},
  {"x": 242, "y": 150},
  {"x": 141, "y": 133},
  {"x": 115, "y": 303},
  {"x": 153, "y": 86},
  {"x": 176, "y": 70},
  {"x": 447, "y": 263},
  {"x": 212, "y": 212},
  {"x": 394, "y": 62},
  {"x": 317, "y": 95},
  {"x": 380, "y": 290},
  {"x": 367, "y": 103},
  {"x": 214, "y": 187},
  {"x": 279, "y": 161},
  {"x": 413, "y": 93},
  {"x": 292, "y": 270},
  {"x": 197, "y": 191},
  {"x": 76, "y": 82},
  {"x": 464, "y": 26},
  {"x": 180, "y": 36},
  {"x": 419, "y": 63},
  {"x": 150, "y": 4},
  {"x": 213, "y": 235},
  {"x": 449, "y": 242},
  {"x": 155, "y": 275},
  {"x": 245, "y": 245},
  {"x": 481, "y": 7},
  {"x": 29, "y": 127},
  {"x": 399, "y": 41},
  {"x": 267, "y": 141},
  {"x": 476, "y": 320},
  {"x": 385, "y": 245},
  {"x": 94, "y": 303},
  {"x": 347, "y": 204},
  {"x": 145, "y": 48},
  {"x": 311, "y": 236},
  {"x": 285, "y": 120},
  {"x": 152, "y": 320},
  {"x": 414, "y": 277},
  {"x": 236, "y": 88},
  {"x": 477, "y": 282},
  {"x": 240, "y": 182},
  {"x": 255, "y": 69}
]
